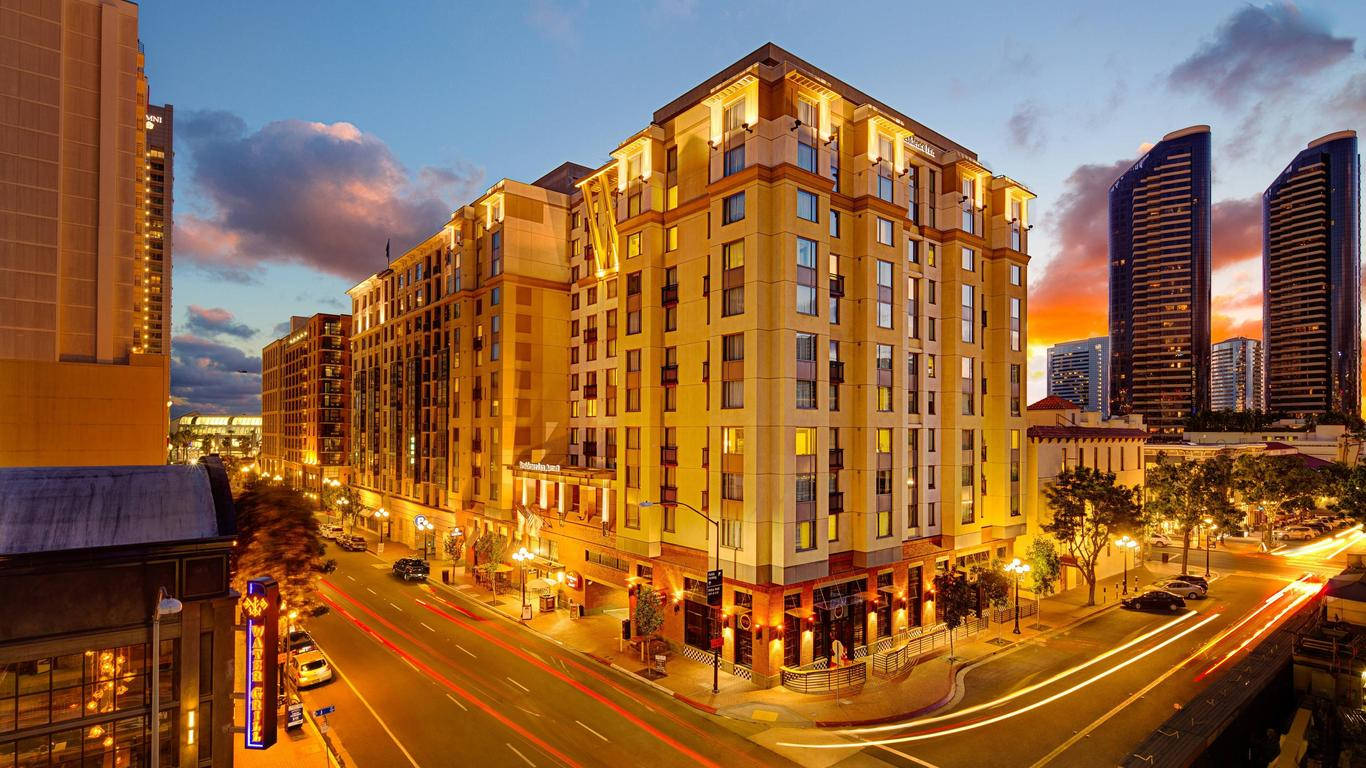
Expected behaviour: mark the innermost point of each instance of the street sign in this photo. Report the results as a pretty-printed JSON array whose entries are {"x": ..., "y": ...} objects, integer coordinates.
[
  {"x": 295, "y": 715},
  {"x": 419, "y": 521},
  {"x": 325, "y": 711},
  {"x": 717, "y": 642},
  {"x": 714, "y": 587}
]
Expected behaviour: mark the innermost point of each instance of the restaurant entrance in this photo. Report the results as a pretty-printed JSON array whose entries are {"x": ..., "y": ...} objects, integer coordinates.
[{"x": 839, "y": 619}]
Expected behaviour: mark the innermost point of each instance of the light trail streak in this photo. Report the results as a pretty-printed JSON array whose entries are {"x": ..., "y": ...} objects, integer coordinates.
[
  {"x": 1354, "y": 534},
  {"x": 1250, "y": 616},
  {"x": 1307, "y": 590},
  {"x": 1016, "y": 712},
  {"x": 1023, "y": 691}
]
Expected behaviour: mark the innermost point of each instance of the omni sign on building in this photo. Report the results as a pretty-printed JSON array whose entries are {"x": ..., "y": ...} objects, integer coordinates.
[{"x": 261, "y": 612}]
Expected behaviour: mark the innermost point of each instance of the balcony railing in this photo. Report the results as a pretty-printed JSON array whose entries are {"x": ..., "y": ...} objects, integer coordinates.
[
  {"x": 668, "y": 295},
  {"x": 590, "y": 335},
  {"x": 837, "y": 458},
  {"x": 836, "y": 502},
  {"x": 590, "y": 391},
  {"x": 668, "y": 455},
  {"x": 668, "y": 375},
  {"x": 837, "y": 285},
  {"x": 836, "y": 372}
]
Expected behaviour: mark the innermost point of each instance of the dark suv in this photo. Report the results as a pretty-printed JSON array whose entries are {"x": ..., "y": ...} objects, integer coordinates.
[{"x": 408, "y": 568}]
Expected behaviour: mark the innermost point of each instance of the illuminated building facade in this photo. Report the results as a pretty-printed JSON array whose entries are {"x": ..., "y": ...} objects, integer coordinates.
[
  {"x": 1079, "y": 371},
  {"x": 1311, "y": 274},
  {"x": 78, "y": 383},
  {"x": 782, "y": 303},
  {"x": 197, "y": 434},
  {"x": 153, "y": 334},
  {"x": 1160, "y": 282},
  {"x": 305, "y": 401},
  {"x": 1236, "y": 375}
]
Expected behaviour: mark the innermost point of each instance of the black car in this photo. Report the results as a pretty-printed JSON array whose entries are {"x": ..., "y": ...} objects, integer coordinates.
[
  {"x": 408, "y": 568},
  {"x": 351, "y": 543},
  {"x": 1154, "y": 600}
]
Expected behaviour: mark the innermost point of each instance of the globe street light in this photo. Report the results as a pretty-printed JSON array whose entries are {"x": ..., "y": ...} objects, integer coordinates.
[
  {"x": 425, "y": 527},
  {"x": 1126, "y": 543},
  {"x": 1017, "y": 568},
  {"x": 521, "y": 556},
  {"x": 383, "y": 515}
]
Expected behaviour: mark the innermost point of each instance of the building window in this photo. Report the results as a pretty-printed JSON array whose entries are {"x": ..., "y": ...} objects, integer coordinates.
[
  {"x": 733, "y": 208},
  {"x": 1015, "y": 389},
  {"x": 913, "y": 196},
  {"x": 806, "y": 385},
  {"x": 968, "y": 323},
  {"x": 884, "y": 231},
  {"x": 969, "y": 203},
  {"x": 969, "y": 257},
  {"x": 1016, "y": 274},
  {"x": 969, "y": 391},
  {"x": 913, "y": 382},
  {"x": 633, "y": 245},
  {"x": 733, "y": 255},
  {"x": 671, "y": 238},
  {"x": 834, "y": 223},
  {"x": 808, "y": 122},
  {"x": 1014, "y": 324},
  {"x": 808, "y": 205},
  {"x": 732, "y": 389},
  {"x": 806, "y": 277},
  {"x": 913, "y": 306},
  {"x": 884, "y": 294}
]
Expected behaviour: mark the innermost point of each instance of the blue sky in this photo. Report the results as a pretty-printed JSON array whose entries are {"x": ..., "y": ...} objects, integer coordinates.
[{"x": 307, "y": 134}]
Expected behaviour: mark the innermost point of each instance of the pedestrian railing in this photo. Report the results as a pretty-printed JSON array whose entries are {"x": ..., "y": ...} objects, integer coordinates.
[
  {"x": 1004, "y": 615},
  {"x": 830, "y": 680},
  {"x": 890, "y": 663}
]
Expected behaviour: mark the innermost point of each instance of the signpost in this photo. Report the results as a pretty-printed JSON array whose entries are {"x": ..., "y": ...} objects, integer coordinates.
[
  {"x": 325, "y": 711},
  {"x": 261, "y": 609},
  {"x": 714, "y": 588}
]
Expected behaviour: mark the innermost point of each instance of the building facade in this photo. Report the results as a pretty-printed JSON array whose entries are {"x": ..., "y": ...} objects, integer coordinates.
[
  {"x": 78, "y": 384},
  {"x": 1160, "y": 282},
  {"x": 1311, "y": 280},
  {"x": 783, "y": 314},
  {"x": 306, "y": 402},
  {"x": 1236, "y": 379},
  {"x": 1079, "y": 371},
  {"x": 196, "y": 434},
  {"x": 82, "y": 573},
  {"x": 154, "y": 335}
]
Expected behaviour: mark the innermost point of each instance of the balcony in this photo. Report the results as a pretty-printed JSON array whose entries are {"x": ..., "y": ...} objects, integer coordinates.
[
  {"x": 836, "y": 286},
  {"x": 668, "y": 455},
  {"x": 668, "y": 295},
  {"x": 590, "y": 335},
  {"x": 668, "y": 494},
  {"x": 668, "y": 375},
  {"x": 836, "y": 502},
  {"x": 590, "y": 448},
  {"x": 836, "y": 372},
  {"x": 837, "y": 458},
  {"x": 478, "y": 343},
  {"x": 590, "y": 391},
  {"x": 477, "y": 445},
  {"x": 478, "y": 394}
]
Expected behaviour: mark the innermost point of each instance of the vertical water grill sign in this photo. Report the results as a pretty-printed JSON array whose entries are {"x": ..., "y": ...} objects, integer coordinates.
[{"x": 261, "y": 610}]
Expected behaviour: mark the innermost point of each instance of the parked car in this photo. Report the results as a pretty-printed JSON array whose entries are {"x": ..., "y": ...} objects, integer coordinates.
[
  {"x": 351, "y": 543},
  {"x": 1194, "y": 579},
  {"x": 329, "y": 530},
  {"x": 1159, "y": 540},
  {"x": 1181, "y": 587},
  {"x": 1297, "y": 533},
  {"x": 309, "y": 669},
  {"x": 1155, "y": 599},
  {"x": 300, "y": 641},
  {"x": 408, "y": 568}
]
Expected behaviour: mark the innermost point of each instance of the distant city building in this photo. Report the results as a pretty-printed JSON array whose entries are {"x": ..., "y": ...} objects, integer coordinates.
[
  {"x": 1080, "y": 372},
  {"x": 306, "y": 401},
  {"x": 84, "y": 375},
  {"x": 195, "y": 434},
  {"x": 155, "y": 334},
  {"x": 1160, "y": 282},
  {"x": 1236, "y": 381},
  {"x": 86, "y": 553},
  {"x": 1311, "y": 272}
]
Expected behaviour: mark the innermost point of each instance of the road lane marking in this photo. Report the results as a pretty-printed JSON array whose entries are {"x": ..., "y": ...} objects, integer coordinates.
[
  {"x": 461, "y": 647},
  {"x": 533, "y": 713},
  {"x": 371, "y": 591},
  {"x": 519, "y": 685},
  {"x": 424, "y": 624},
  {"x": 409, "y": 663},
  {"x": 374, "y": 714},
  {"x": 590, "y": 730},
  {"x": 395, "y": 607},
  {"x": 457, "y": 702},
  {"x": 912, "y": 758},
  {"x": 519, "y": 754},
  {"x": 349, "y": 576}
]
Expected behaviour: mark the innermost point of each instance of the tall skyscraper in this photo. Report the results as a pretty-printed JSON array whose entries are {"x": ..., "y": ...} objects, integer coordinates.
[
  {"x": 77, "y": 386},
  {"x": 306, "y": 401},
  {"x": 1160, "y": 282},
  {"x": 153, "y": 333},
  {"x": 1080, "y": 371},
  {"x": 782, "y": 302},
  {"x": 1311, "y": 280},
  {"x": 1236, "y": 381}
]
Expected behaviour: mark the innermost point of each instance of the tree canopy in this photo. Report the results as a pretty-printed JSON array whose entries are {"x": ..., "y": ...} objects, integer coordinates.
[
  {"x": 1275, "y": 483},
  {"x": 1044, "y": 565},
  {"x": 1089, "y": 508},
  {"x": 277, "y": 536},
  {"x": 1188, "y": 495}
]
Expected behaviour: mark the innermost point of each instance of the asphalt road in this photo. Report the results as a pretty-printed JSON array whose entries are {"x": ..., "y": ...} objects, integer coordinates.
[{"x": 427, "y": 678}]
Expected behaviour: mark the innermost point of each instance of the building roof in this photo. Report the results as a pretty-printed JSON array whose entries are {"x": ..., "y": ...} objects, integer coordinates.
[
  {"x": 1054, "y": 403},
  {"x": 1086, "y": 433},
  {"x": 53, "y": 509},
  {"x": 1347, "y": 586}
]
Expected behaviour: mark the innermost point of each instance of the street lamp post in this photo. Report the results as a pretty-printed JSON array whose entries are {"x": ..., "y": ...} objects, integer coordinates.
[
  {"x": 1018, "y": 569},
  {"x": 426, "y": 528},
  {"x": 383, "y": 515},
  {"x": 715, "y": 651},
  {"x": 521, "y": 556},
  {"x": 166, "y": 606},
  {"x": 1209, "y": 542},
  {"x": 1126, "y": 543}
]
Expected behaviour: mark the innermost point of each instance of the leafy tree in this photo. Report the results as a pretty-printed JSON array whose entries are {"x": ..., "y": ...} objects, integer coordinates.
[
  {"x": 1348, "y": 487},
  {"x": 955, "y": 599},
  {"x": 1186, "y": 494},
  {"x": 1044, "y": 565},
  {"x": 649, "y": 611},
  {"x": 345, "y": 501},
  {"x": 489, "y": 550},
  {"x": 455, "y": 545},
  {"x": 1089, "y": 509},
  {"x": 994, "y": 584},
  {"x": 277, "y": 535},
  {"x": 1273, "y": 484}
]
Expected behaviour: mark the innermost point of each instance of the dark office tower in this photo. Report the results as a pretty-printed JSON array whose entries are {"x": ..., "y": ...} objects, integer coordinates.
[
  {"x": 1311, "y": 278},
  {"x": 1160, "y": 282}
]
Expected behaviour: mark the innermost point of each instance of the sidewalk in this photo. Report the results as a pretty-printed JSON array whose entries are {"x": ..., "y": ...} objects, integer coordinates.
[{"x": 928, "y": 686}]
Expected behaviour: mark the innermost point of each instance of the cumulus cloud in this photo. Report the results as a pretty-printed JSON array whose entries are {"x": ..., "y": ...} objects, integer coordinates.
[
  {"x": 213, "y": 377},
  {"x": 1260, "y": 51},
  {"x": 215, "y": 321},
  {"x": 327, "y": 196},
  {"x": 1025, "y": 126}
]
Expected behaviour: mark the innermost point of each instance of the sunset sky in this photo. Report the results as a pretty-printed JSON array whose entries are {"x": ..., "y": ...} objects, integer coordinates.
[{"x": 307, "y": 135}]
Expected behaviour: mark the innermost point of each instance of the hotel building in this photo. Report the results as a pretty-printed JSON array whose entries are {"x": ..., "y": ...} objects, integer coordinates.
[
  {"x": 155, "y": 334},
  {"x": 1311, "y": 279},
  {"x": 1079, "y": 371},
  {"x": 783, "y": 314},
  {"x": 1236, "y": 375},
  {"x": 84, "y": 375},
  {"x": 305, "y": 402},
  {"x": 1160, "y": 282}
]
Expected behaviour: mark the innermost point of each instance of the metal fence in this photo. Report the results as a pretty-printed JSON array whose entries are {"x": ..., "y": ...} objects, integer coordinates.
[
  {"x": 834, "y": 679},
  {"x": 1007, "y": 614}
]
